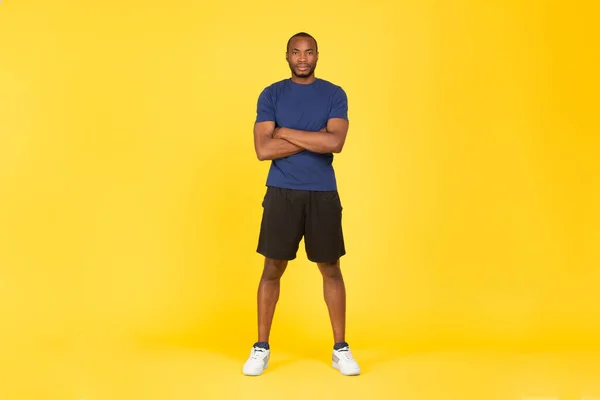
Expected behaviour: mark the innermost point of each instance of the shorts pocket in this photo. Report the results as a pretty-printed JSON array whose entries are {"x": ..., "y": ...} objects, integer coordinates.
[
  {"x": 266, "y": 197},
  {"x": 333, "y": 198}
]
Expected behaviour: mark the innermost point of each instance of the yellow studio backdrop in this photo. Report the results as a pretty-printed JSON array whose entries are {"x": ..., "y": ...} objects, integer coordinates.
[{"x": 130, "y": 194}]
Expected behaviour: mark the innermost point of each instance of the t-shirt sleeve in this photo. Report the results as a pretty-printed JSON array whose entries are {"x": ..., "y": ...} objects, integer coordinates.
[
  {"x": 339, "y": 107},
  {"x": 265, "y": 109}
]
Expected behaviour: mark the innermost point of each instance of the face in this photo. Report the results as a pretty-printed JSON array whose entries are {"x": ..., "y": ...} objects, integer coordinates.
[{"x": 302, "y": 56}]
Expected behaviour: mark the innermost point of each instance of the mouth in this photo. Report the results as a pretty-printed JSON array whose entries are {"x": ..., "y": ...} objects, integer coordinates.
[{"x": 303, "y": 67}]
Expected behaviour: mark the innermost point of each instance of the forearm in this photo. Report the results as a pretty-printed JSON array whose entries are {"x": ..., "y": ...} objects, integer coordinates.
[
  {"x": 274, "y": 148},
  {"x": 318, "y": 142}
]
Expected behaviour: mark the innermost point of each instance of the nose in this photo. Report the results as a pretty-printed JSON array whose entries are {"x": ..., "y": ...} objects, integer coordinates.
[{"x": 302, "y": 57}]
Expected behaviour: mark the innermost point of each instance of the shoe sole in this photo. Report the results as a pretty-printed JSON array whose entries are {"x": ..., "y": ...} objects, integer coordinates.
[
  {"x": 253, "y": 373},
  {"x": 353, "y": 373}
]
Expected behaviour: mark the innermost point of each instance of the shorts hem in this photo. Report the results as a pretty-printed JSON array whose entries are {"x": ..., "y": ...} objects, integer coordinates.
[
  {"x": 323, "y": 260},
  {"x": 271, "y": 256}
]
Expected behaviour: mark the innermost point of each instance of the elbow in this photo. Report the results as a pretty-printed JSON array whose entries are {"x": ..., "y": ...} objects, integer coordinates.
[
  {"x": 261, "y": 156},
  {"x": 337, "y": 146}
]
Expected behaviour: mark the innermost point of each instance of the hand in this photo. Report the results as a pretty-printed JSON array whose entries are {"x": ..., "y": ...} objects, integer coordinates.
[{"x": 277, "y": 133}]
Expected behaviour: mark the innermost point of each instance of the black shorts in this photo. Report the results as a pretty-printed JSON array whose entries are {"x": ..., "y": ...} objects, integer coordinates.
[{"x": 288, "y": 215}]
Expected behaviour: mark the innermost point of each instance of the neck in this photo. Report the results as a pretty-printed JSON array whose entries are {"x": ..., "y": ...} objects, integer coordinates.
[{"x": 303, "y": 80}]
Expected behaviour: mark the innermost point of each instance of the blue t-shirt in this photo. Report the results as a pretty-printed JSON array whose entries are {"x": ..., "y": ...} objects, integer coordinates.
[{"x": 308, "y": 108}]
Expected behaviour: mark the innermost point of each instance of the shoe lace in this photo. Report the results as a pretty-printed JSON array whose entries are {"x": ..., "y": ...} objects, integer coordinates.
[
  {"x": 345, "y": 353},
  {"x": 258, "y": 353}
]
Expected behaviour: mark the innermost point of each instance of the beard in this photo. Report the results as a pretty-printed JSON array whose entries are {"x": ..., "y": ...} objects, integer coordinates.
[{"x": 303, "y": 74}]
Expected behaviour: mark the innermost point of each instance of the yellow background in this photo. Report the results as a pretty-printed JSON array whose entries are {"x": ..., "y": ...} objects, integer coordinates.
[{"x": 130, "y": 193}]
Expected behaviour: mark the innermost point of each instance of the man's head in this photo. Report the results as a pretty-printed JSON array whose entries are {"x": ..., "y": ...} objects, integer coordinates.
[{"x": 302, "y": 55}]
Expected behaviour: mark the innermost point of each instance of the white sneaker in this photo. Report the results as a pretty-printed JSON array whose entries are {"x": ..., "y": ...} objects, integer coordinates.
[
  {"x": 257, "y": 362},
  {"x": 343, "y": 360}
]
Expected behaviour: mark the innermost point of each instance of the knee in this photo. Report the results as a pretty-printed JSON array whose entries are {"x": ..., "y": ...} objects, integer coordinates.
[
  {"x": 273, "y": 269},
  {"x": 331, "y": 270}
]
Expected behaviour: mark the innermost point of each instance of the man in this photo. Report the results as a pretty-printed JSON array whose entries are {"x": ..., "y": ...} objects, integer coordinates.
[{"x": 300, "y": 123}]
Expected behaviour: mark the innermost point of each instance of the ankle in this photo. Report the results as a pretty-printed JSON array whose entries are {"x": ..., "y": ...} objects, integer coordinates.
[
  {"x": 340, "y": 345},
  {"x": 262, "y": 345}
]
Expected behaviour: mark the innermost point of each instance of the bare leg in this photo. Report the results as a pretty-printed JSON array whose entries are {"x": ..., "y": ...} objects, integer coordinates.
[
  {"x": 268, "y": 294},
  {"x": 334, "y": 292}
]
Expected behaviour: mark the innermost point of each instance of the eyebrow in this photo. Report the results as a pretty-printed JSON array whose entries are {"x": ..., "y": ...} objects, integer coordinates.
[{"x": 295, "y": 49}]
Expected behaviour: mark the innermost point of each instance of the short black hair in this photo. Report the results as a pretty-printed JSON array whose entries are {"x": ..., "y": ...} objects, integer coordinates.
[{"x": 302, "y": 34}]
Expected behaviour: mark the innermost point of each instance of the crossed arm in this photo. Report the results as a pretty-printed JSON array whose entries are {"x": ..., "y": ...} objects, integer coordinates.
[{"x": 271, "y": 143}]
